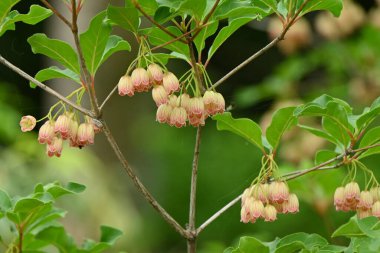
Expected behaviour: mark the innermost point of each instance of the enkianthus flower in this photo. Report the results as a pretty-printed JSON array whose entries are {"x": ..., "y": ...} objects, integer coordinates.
[
  {"x": 85, "y": 134},
  {"x": 246, "y": 194},
  {"x": 213, "y": 102},
  {"x": 257, "y": 209},
  {"x": 339, "y": 199},
  {"x": 155, "y": 73},
  {"x": 97, "y": 127},
  {"x": 363, "y": 213},
  {"x": 125, "y": 86},
  {"x": 62, "y": 126},
  {"x": 55, "y": 147},
  {"x": 46, "y": 132},
  {"x": 73, "y": 133},
  {"x": 178, "y": 117},
  {"x": 159, "y": 94},
  {"x": 376, "y": 209},
  {"x": 291, "y": 205},
  {"x": 27, "y": 123},
  {"x": 375, "y": 192},
  {"x": 163, "y": 113},
  {"x": 173, "y": 101},
  {"x": 246, "y": 211},
  {"x": 270, "y": 213},
  {"x": 184, "y": 101},
  {"x": 170, "y": 82},
  {"x": 352, "y": 192},
  {"x": 140, "y": 80},
  {"x": 196, "y": 111},
  {"x": 278, "y": 192},
  {"x": 365, "y": 201},
  {"x": 260, "y": 192}
]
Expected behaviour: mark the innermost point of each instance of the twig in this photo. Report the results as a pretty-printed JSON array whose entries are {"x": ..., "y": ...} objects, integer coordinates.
[
  {"x": 193, "y": 193},
  {"x": 139, "y": 185},
  {"x": 107, "y": 98},
  {"x": 207, "y": 18},
  {"x": 137, "y": 5},
  {"x": 218, "y": 213},
  {"x": 45, "y": 88},
  {"x": 261, "y": 51},
  {"x": 85, "y": 74},
  {"x": 57, "y": 13}
]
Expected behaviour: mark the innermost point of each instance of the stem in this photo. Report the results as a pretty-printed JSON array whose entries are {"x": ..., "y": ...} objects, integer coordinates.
[
  {"x": 195, "y": 67},
  {"x": 85, "y": 74},
  {"x": 261, "y": 51},
  {"x": 107, "y": 98},
  {"x": 57, "y": 13},
  {"x": 191, "y": 242},
  {"x": 45, "y": 88},
  {"x": 139, "y": 185},
  {"x": 20, "y": 239},
  {"x": 137, "y": 5}
]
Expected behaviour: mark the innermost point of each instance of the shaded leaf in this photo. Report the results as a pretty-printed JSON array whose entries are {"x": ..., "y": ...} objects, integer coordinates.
[
  {"x": 54, "y": 73},
  {"x": 359, "y": 227},
  {"x": 109, "y": 234},
  {"x": 114, "y": 44},
  {"x": 94, "y": 41},
  {"x": 243, "y": 127},
  {"x": 320, "y": 133},
  {"x": 56, "y": 49},
  {"x": 206, "y": 32},
  {"x": 323, "y": 156},
  {"x": 371, "y": 137},
  {"x": 333, "y": 6},
  {"x": 125, "y": 17}
]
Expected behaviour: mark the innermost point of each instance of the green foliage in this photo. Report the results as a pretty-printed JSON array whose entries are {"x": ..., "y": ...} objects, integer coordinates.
[
  {"x": 35, "y": 221},
  {"x": 55, "y": 72},
  {"x": 125, "y": 17},
  {"x": 8, "y": 18}
]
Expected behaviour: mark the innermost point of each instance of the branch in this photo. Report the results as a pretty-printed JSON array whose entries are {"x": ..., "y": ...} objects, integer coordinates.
[
  {"x": 85, "y": 74},
  {"x": 218, "y": 213},
  {"x": 107, "y": 98},
  {"x": 261, "y": 51},
  {"x": 140, "y": 186},
  {"x": 290, "y": 176},
  {"x": 57, "y": 13},
  {"x": 137, "y": 5},
  {"x": 45, "y": 88}
]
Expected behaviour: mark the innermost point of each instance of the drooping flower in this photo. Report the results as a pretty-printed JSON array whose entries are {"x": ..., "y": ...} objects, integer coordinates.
[
  {"x": 376, "y": 209},
  {"x": 27, "y": 123},
  {"x": 155, "y": 73},
  {"x": 352, "y": 192},
  {"x": 46, "y": 132},
  {"x": 170, "y": 82},
  {"x": 140, "y": 80},
  {"x": 270, "y": 213},
  {"x": 278, "y": 192},
  {"x": 62, "y": 126},
  {"x": 257, "y": 209},
  {"x": 213, "y": 102},
  {"x": 163, "y": 113},
  {"x": 365, "y": 201},
  {"x": 160, "y": 95},
  {"x": 125, "y": 86},
  {"x": 85, "y": 134},
  {"x": 291, "y": 205},
  {"x": 178, "y": 117},
  {"x": 363, "y": 213},
  {"x": 55, "y": 147}
]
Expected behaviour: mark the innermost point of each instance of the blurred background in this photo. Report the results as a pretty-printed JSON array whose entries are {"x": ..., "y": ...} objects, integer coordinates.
[{"x": 321, "y": 54}]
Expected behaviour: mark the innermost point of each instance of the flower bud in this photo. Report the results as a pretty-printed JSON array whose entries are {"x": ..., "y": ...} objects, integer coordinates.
[
  {"x": 376, "y": 209},
  {"x": 278, "y": 192},
  {"x": 125, "y": 86},
  {"x": 291, "y": 205},
  {"x": 140, "y": 80},
  {"x": 62, "y": 126},
  {"x": 170, "y": 82},
  {"x": 178, "y": 117},
  {"x": 155, "y": 73},
  {"x": 55, "y": 148},
  {"x": 27, "y": 123},
  {"x": 163, "y": 113},
  {"x": 85, "y": 134},
  {"x": 270, "y": 213},
  {"x": 46, "y": 132},
  {"x": 352, "y": 192},
  {"x": 365, "y": 201},
  {"x": 159, "y": 94}
]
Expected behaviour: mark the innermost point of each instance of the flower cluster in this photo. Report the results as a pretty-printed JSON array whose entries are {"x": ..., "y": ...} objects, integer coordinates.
[
  {"x": 350, "y": 198},
  {"x": 172, "y": 109},
  {"x": 65, "y": 127},
  {"x": 266, "y": 201}
]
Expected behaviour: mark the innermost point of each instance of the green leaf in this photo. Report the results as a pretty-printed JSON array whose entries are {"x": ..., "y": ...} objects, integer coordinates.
[
  {"x": 194, "y": 8},
  {"x": 27, "y": 204},
  {"x": 114, "y": 44},
  {"x": 282, "y": 120},
  {"x": 57, "y": 190},
  {"x": 310, "y": 241},
  {"x": 371, "y": 137},
  {"x": 251, "y": 244},
  {"x": 157, "y": 37},
  {"x": 295, "y": 246},
  {"x": 94, "y": 41},
  {"x": 55, "y": 49},
  {"x": 6, "y": 15},
  {"x": 225, "y": 33},
  {"x": 125, "y": 17},
  {"x": 359, "y": 227},
  {"x": 149, "y": 6},
  {"x": 5, "y": 202},
  {"x": 75, "y": 187},
  {"x": 337, "y": 131},
  {"x": 334, "y": 6},
  {"x": 54, "y": 73},
  {"x": 58, "y": 237},
  {"x": 163, "y": 14},
  {"x": 206, "y": 32},
  {"x": 320, "y": 133},
  {"x": 243, "y": 127},
  {"x": 233, "y": 9},
  {"x": 109, "y": 234},
  {"x": 324, "y": 155},
  {"x": 368, "y": 115}
]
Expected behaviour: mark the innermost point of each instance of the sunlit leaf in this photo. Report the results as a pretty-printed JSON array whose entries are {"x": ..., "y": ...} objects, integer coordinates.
[
  {"x": 54, "y": 73},
  {"x": 127, "y": 18}
]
